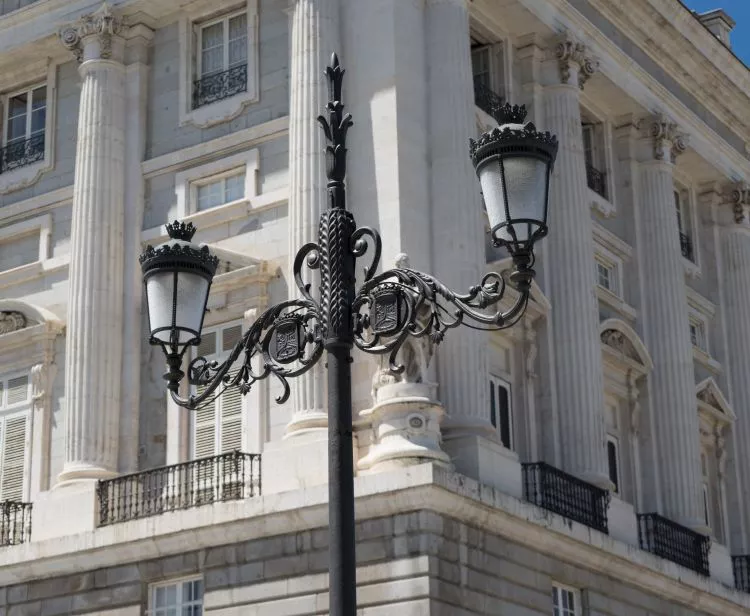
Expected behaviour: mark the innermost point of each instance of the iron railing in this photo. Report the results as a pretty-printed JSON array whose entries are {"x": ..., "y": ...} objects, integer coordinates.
[
  {"x": 218, "y": 86},
  {"x": 674, "y": 542},
  {"x": 597, "y": 180},
  {"x": 230, "y": 476},
  {"x": 15, "y": 522},
  {"x": 488, "y": 101},
  {"x": 21, "y": 153},
  {"x": 557, "y": 491},
  {"x": 741, "y": 566},
  {"x": 686, "y": 245}
]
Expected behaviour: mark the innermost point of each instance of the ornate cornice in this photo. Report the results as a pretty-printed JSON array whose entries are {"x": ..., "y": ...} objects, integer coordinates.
[
  {"x": 11, "y": 321},
  {"x": 104, "y": 24},
  {"x": 669, "y": 141},
  {"x": 569, "y": 52},
  {"x": 740, "y": 197}
]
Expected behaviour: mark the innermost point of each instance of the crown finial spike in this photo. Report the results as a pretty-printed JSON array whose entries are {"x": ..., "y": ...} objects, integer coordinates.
[
  {"x": 511, "y": 114},
  {"x": 335, "y": 60},
  {"x": 181, "y": 230}
]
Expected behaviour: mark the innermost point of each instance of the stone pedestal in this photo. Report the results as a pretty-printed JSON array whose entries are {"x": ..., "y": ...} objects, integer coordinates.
[
  {"x": 95, "y": 305},
  {"x": 666, "y": 327},
  {"x": 572, "y": 292},
  {"x": 69, "y": 509}
]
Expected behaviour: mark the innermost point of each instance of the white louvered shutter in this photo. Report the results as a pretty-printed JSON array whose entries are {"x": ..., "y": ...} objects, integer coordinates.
[
  {"x": 231, "y": 400},
  {"x": 14, "y": 440},
  {"x": 204, "y": 420}
]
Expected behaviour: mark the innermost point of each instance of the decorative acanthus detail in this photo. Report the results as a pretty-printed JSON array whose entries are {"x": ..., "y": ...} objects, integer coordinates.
[
  {"x": 11, "y": 321},
  {"x": 569, "y": 53},
  {"x": 618, "y": 341},
  {"x": 669, "y": 141},
  {"x": 740, "y": 196},
  {"x": 103, "y": 24}
]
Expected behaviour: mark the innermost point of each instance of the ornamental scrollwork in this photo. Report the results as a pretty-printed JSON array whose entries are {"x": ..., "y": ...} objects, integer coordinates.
[
  {"x": 669, "y": 141},
  {"x": 103, "y": 23},
  {"x": 740, "y": 196},
  {"x": 11, "y": 321},
  {"x": 570, "y": 52}
]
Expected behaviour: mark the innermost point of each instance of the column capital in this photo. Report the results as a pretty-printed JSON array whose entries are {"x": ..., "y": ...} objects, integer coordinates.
[
  {"x": 739, "y": 196},
  {"x": 99, "y": 28},
  {"x": 575, "y": 61},
  {"x": 668, "y": 140}
]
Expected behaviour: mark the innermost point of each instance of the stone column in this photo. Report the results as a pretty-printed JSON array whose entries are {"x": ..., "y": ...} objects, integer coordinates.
[
  {"x": 665, "y": 321},
  {"x": 456, "y": 216},
  {"x": 95, "y": 305},
  {"x": 572, "y": 287},
  {"x": 315, "y": 35},
  {"x": 735, "y": 255}
]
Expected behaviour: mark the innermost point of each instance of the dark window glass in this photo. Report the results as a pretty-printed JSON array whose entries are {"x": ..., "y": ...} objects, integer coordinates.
[
  {"x": 502, "y": 394},
  {"x": 612, "y": 463},
  {"x": 493, "y": 408}
]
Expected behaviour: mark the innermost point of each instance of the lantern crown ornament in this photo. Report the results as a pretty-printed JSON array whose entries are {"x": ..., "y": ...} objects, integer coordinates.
[{"x": 514, "y": 162}]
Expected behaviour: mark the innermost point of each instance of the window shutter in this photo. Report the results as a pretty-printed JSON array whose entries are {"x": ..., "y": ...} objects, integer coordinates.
[
  {"x": 13, "y": 458},
  {"x": 231, "y": 420},
  {"x": 18, "y": 390},
  {"x": 205, "y": 429}
]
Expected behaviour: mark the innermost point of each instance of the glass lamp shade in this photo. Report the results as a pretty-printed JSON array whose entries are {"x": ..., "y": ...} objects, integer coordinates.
[
  {"x": 514, "y": 163},
  {"x": 177, "y": 276}
]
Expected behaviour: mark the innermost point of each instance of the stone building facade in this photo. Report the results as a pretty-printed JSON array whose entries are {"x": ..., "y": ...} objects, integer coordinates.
[{"x": 593, "y": 460}]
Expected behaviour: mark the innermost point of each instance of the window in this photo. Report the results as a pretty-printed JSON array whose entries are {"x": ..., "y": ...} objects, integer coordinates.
[
  {"x": 183, "y": 598},
  {"x": 613, "y": 461},
  {"x": 480, "y": 65},
  {"x": 24, "y": 128},
  {"x": 217, "y": 425},
  {"x": 501, "y": 414},
  {"x": 605, "y": 275},
  {"x": 681, "y": 203},
  {"x": 698, "y": 333},
  {"x": 220, "y": 191},
  {"x": 15, "y": 415},
  {"x": 593, "y": 152},
  {"x": 565, "y": 601},
  {"x": 222, "y": 59}
]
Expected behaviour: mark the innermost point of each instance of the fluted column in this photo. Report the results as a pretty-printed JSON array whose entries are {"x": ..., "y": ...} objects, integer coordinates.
[
  {"x": 735, "y": 243},
  {"x": 457, "y": 224},
  {"x": 95, "y": 306},
  {"x": 315, "y": 35},
  {"x": 572, "y": 292},
  {"x": 666, "y": 326}
]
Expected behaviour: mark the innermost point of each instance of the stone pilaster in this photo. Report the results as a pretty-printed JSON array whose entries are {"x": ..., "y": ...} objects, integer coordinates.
[
  {"x": 735, "y": 246},
  {"x": 315, "y": 35},
  {"x": 457, "y": 224},
  {"x": 572, "y": 287},
  {"x": 95, "y": 306},
  {"x": 665, "y": 320}
]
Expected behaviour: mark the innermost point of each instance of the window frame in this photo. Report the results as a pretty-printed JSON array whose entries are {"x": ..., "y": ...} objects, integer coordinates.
[
  {"x": 178, "y": 582},
  {"x": 196, "y": 185},
  {"x": 495, "y": 383},
  {"x": 202, "y": 25},
  {"x": 606, "y": 259},
  {"x": 29, "y": 111},
  {"x": 12, "y": 411},
  {"x": 701, "y": 325},
  {"x": 557, "y": 610},
  {"x": 615, "y": 440}
]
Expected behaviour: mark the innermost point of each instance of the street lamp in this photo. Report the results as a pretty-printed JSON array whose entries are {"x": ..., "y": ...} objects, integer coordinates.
[{"x": 513, "y": 162}]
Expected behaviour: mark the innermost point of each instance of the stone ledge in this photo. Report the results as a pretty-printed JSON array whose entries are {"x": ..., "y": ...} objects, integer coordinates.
[{"x": 417, "y": 488}]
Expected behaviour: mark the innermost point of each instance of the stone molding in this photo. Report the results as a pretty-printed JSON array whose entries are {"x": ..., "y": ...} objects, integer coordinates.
[
  {"x": 740, "y": 198},
  {"x": 102, "y": 24},
  {"x": 574, "y": 59},
  {"x": 668, "y": 140},
  {"x": 11, "y": 321}
]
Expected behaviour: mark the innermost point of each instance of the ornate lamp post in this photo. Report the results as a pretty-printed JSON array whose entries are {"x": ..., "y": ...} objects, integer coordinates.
[{"x": 513, "y": 163}]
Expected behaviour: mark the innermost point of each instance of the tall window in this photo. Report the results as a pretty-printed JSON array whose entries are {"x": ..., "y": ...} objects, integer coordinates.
[
  {"x": 220, "y": 191},
  {"x": 613, "y": 461},
  {"x": 480, "y": 65},
  {"x": 24, "y": 126},
  {"x": 698, "y": 333},
  {"x": 706, "y": 493},
  {"x": 501, "y": 413},
  {"x": 682, "y": 208},
  {"x": 218, "y": 424},
  {"x": 593, "y": 151},
  {"x": 182, "y": 598},
  {"x": 15, "y": 415},
  {"x": 565, "y": 601}
]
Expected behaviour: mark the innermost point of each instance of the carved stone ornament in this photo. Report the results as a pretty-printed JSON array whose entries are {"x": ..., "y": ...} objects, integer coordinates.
[
  {"x": 569, "y": 52},
  {"x": 103, "y": 23},
  {"x": 669, "y": 142},
  {"x": 617, "y": 340},
  {"x": 740, "y": 195},
  {"x": 11, "y": 321},
  {"x": 707, "y": 395}
]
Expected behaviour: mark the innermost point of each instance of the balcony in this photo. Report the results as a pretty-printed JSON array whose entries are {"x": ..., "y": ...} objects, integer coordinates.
[
  {"x": 227, "y": 477},
  {"x": 15, "y": 523},
  {"x": 686, "y": 245},
  {"x": 674, "y": 542},
  {"x": 22, "y": 153},
  {"x": 557, "y": 491},
  {"x": 741, "y": 565},
  {"x": 487, "y": 100},
  {"x": 596, "y": 180},
  {"x": 218, "y": 86}
]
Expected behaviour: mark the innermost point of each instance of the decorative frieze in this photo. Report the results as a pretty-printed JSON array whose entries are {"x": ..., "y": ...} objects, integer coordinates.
[
  {"x": 669, "y": 141},
  {"x": 11, "y": 321},
  {"x": 102, "y": 24},
  {"x": 574, "y": 59}
]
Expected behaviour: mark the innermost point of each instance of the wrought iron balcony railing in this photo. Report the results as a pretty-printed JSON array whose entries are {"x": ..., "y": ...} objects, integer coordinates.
[
  {"x": 742, "y": 572},
  {"x": 21, "y": 153},
  {"x": 557, "y": 491},
  {"x": 15, "y": 522},
  {"x": 686, "y": 245},
  {"x": 230, "y": 476},
  {"x": 597, "y": 180},
  {"x": 218, "y": 86},
  {"x": 674, "y": 542},
  {"x": 487, "y": 100}
]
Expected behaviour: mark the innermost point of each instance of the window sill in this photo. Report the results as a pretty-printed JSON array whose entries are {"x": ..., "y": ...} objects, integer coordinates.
[
  {"x": 616, "y": 303},
  {"x": 23, "y": 177},
  {"x": 604, "y": 206},
  {"x": 705, "y": 360},
  {"x": 220, "y": 111},
  {"x": 692, "y": 270}
]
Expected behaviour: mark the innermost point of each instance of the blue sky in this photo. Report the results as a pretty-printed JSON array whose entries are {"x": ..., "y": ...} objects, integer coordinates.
[{"x": 739, "y": 10}]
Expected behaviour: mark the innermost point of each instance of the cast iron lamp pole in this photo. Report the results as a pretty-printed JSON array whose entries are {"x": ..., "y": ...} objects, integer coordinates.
[{"x": 513, "y": 163}]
